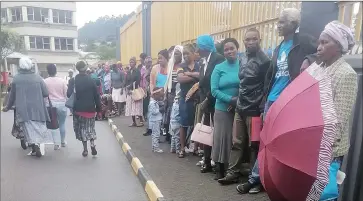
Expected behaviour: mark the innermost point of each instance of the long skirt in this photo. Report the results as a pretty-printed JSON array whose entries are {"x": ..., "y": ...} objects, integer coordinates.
[
  {"x": 119, "y": 95},
  {"x": 133, "y": 108},
  {"x": 222, "y": 136},
  {"x": 84, "y": 128},
  {"x": 35, "y": 132}
]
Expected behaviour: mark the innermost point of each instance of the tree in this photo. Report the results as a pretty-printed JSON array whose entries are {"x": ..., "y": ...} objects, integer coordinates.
[
  {"x": 9, "y": 42},
  {"x": 106, "y": 52}
]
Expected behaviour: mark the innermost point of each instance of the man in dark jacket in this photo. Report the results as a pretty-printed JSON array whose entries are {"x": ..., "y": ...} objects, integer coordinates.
[
  {"x": 286, "y": 63},
  {"x": 252, "y": 74},
  {"x": 211, "y": 58}
]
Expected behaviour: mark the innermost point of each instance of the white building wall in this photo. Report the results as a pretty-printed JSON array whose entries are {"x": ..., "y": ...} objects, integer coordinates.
[{"x": 63, "y": 59}]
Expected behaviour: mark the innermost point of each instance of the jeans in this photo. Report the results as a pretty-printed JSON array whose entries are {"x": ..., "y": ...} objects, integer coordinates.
[
  {"x": 254, "y": 177},
  {"x": 61, "y": 115},
  {"x": 155, "y": 134}
]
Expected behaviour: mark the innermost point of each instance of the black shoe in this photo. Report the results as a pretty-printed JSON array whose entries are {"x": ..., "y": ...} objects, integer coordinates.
[
  {"x": 37, "y": 151},
  {"x": 206, "y": 168},
  {"x": 244, "y": 188},
  {"x": 229, "y": 179},
  {"x": 23, "y": 144},
  {"x": 85, "y": 153},
  {"x": 93, "y": 150},
  {"x": 148, "y": 132}
]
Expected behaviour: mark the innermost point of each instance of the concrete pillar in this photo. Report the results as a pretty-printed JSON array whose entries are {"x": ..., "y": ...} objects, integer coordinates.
[
  {"x": 75, "y": 44},
  {"x": 52, "y": 44},
  {"x": 50, "y": 16},
  {"x": 26, "y": 42},
  {"x": 8, "y": 12},
  {"x": 74, "y": 20},
  {"x": 24, "y": 12}
]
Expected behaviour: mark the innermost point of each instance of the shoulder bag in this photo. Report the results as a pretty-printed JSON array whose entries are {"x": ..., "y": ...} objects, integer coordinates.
[
  {"x": 137, "y": 94},
  {"x": 52, "y": 111},
  {"x": 203, "y": 133}
]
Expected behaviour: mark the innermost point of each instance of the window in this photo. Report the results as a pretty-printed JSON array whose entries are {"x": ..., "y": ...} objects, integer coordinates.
[
  {"x": 38, "y": 42},
  {"x": 63, "y": 43},
  {"x": 62, "y": 17},
  {"x": 16, "y": 14},
  {"x": 4, "y": 15},
  {"x": 37, "y": 14}
]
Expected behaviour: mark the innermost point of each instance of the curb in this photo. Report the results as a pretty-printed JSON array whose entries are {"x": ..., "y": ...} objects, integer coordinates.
[{"x": 150, "y": 187}]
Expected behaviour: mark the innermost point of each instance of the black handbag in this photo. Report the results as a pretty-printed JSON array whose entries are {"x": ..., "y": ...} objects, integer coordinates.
[{"x": 52, "y": 111}]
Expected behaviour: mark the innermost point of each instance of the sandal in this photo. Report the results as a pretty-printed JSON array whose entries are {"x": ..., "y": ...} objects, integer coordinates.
[
  {"x": 181, "y": 154},
  {"x": 132, "y": 125},
  {"x": 140, "y": 124}
]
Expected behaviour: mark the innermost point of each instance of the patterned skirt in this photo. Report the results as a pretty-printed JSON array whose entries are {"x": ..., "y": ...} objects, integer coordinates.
[
  {"x": 84, "y": 128},
  {"x": 133, "y": 108},
  {"x": 34, "y": 132}
]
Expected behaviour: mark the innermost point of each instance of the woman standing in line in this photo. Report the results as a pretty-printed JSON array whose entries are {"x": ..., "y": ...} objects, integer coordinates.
[
  {"x": 224, "y": 87},
  {"x": 86, "y": 104},
  {"x": 188, "y": 75},
  {"x": 133, "y": 108},
  {"x": 117, "y": 79},
  {"x": 27, "y": 94},
  {"x": 174, "y": 63},
  {"x": 57, "y": 88}
]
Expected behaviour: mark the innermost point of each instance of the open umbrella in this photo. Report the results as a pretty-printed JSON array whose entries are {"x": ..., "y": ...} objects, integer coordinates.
[{"x": 297, "y": 138}]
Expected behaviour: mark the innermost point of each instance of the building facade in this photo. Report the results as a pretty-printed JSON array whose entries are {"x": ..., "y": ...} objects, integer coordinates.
[{"x": 48, "y": 30}]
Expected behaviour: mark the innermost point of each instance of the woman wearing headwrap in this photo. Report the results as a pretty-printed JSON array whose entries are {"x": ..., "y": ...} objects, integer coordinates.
[
  {"x": 335, "y": 41},
  {"x": 118, "y": 95},
  {"x": 207, "y": 51},
  {"x": 133, "y": 108},
  {"x": 27, "y": 94},
  {"x": 86, "y": 104}
]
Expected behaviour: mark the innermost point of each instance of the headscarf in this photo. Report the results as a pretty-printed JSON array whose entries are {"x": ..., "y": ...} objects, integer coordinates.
[
  {"x": 206, "y": 42},
  {"x": 341, "y": 34},
  {"x": 171, "y": 64},
  {"x": 25, "y": 63}
]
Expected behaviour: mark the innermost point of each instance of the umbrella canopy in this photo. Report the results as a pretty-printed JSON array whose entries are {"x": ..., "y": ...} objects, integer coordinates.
[{"x": 297, "y": 138}]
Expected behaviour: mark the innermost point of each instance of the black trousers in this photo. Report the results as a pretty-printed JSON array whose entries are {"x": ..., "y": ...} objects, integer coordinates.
[{"x": 207, "y": 149}]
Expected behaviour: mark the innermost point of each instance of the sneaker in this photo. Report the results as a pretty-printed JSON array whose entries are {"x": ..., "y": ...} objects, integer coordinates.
[
  {"x": 244, "y": 188},
  {"x": 56, "y": 147},
  {"x": 158, "y": 150},
  {"x": 256, "y": 189},
  {"x": 64, "y": 144}
]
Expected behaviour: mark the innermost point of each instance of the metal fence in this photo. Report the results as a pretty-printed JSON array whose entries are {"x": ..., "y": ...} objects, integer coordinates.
[{"x": 181, "y": 22}]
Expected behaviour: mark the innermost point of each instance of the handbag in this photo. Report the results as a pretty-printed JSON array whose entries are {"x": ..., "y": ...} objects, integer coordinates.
[
  {"x": 137, "y": 94},
  {"x": 70, "y": 101},
  {"x": 52, "y": 111},
  {"x": 203, "y": 133}
]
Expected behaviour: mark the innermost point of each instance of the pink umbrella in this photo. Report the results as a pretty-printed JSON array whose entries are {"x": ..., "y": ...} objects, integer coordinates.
[{"x": 297, "y": 138}]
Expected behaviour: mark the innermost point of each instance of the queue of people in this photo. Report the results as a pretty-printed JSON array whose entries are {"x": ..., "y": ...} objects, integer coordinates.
[
  {"x": 227, "y": 92},
  {"x": 193, "y": 84}
]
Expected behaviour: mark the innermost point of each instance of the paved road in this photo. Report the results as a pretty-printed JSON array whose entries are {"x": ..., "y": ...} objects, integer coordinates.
[
  {"x": 65, "y": 175},
  {"x": 178, "y": 179}
]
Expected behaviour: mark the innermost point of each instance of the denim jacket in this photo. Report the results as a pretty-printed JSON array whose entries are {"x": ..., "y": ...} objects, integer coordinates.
[{"x": 154, "y": 111}]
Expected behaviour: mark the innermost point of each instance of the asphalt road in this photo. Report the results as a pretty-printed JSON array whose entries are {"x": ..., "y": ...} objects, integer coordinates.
[
  {"x": 178, "y": 179},
  {"x": 65, "y": 175}
]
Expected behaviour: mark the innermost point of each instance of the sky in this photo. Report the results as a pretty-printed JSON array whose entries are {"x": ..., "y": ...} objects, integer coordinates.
[{"x": 90, "y": 11}]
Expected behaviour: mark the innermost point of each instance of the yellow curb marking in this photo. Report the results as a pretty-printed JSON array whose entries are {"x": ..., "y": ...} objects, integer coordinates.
[
  {"x": 125, "y": 147},
  {"x": 136, "y": 164},
  {"x": 110, "y": 121},
  {"x": 119, "y": 136},
  {"x": 152, "y": 191},
  {"x": 114, "y": 128}
]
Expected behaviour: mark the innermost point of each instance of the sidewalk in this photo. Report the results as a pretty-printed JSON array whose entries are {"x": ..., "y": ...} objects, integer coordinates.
[{"x": 178, "y": 179}]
